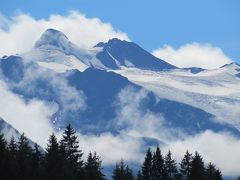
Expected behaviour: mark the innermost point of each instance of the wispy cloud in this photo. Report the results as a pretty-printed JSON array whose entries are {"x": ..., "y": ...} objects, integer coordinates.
[
  {"x": 141, "y": 122},
  {"x": 193, "y": 55},
  {"x": 24, "y": 30}
]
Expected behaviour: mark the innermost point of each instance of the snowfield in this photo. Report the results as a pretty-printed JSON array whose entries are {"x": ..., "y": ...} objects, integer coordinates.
[{"x": 215, "y": 91}]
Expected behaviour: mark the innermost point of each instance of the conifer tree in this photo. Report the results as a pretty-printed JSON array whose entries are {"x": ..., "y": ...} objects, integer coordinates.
[
  {"x": 197, "y": 171},
  {"x": 23, "y": 157},
  {"x": 72, "y": 156},
  {"x": 36, "y": 164},
  {"x": 139, "y": 175},
  {"x": 12, "y": 160},
  {"x": 185, "y": 166},
  {"x": 93, "y": 168},
  {"x": 52, "y": 160},
  {"x": 170, "y": 167},
  {"x": 218, "y": 175},
  {"x": 212, "y": 173},
  {"x": 158, "y": 165},
  {"x": 3, "y": 157},
  {"x": 147, "y": 166},
  {"x": 122, "y": 172},
  {"x": 129, "y": 174}
]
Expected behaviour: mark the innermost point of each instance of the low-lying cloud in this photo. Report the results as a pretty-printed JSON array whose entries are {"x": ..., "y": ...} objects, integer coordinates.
[
  {"x": 112, "y": 148},
  {"x": 193, "y": 55},
  {"x": 139, "y": 121},
  {"x": 24, "y": 30},
  {"x": 222, "y": 149},
  {"x": 31, "y": 117}
]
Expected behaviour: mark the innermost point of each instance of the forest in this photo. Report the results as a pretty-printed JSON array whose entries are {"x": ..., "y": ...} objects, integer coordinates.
[{"x": 63, "y": 160}]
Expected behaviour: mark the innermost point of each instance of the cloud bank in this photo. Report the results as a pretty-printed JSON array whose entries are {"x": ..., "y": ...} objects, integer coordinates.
[
  {"x": 31, "y": 117},
  {"x": 193, "y": 55},
  {"x": 24, "y": 30},
  {"x": 222, "y": 149}
]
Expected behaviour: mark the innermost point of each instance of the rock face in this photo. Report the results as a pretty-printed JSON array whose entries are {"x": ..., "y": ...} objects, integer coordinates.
[{"x": 116, "y": 54}]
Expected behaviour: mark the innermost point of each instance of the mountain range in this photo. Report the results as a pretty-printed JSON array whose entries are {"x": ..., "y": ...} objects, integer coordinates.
[{"x": 117, "y": 87}]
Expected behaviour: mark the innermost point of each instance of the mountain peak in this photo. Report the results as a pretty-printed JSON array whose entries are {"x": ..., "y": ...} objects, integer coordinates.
[
  {"x": 111, "y": 42},
  {"x": 54, "y": 39},
  {"x": 117, "y": 53},
  {"x": 232, "y": 64}
]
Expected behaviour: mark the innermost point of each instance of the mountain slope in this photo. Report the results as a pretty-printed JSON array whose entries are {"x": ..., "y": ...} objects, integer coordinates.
[
  {"x": 117, "y": 87},
  {"x": 116, "y": 54},
  {"x": 54, "y": 50},
  {"x": 9, "y": 131},
  {"x": 214, "y": 91}
]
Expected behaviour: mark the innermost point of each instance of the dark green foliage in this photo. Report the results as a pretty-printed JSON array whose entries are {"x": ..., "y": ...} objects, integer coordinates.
[
  {"x": 197, "y": 171},
  {"x": 36, "y": 164},
  {"x": 139, "y": 175},
  {"x": 218, "y": 175},
  {"x": 212, "y": 173},
  {"x": 52, "y": 163},
  {"x": 63, "y": 161},
  {"x": 157, "y": 165},
  {"x": 93, "y": 168},
  {"x": 185, "y": 166},
  {"x": 11, "y": 162},
  {"x": 122, "y": 172},
  {"x": 72, "y": 156},
  {"x": 147, "y": 166},
  {"x": 170, "y": 167},
  {"x": 23, "y": 158},
  {"x": 3, "y": 155}
]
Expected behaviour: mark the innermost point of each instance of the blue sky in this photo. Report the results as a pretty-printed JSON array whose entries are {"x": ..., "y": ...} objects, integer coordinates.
[{"x": 152, "y": 23}]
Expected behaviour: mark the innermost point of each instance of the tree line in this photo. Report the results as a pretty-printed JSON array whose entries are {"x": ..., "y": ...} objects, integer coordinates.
[{"x": 62, "y": 160}]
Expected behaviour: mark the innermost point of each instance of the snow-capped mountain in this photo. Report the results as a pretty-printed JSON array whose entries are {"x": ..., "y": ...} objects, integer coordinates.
[
  {"x": 116, "y": 54},
  {"x": 116, "y": 86},
  {"x": 54, "y": 50}
]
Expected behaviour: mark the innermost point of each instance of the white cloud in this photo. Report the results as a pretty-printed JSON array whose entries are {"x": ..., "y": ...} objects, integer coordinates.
[
  {"x": 193, "y": 55},
  {"x": 141, "y": 122},
  {"x": 112, "y": 148},
  {"x": 222, "y": 149},
  {"x": 69, "y": 98},
  {"x": 21, "y": 31},
  {"x": 31, "y": 117}
]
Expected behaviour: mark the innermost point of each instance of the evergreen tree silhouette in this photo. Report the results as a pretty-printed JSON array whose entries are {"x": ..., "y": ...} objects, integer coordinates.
[
  {"x": 158, "y": 165},
  {"x": 185, "y": 166},
  {"x": 197, "y": 171},
  {"x": 139, "y": 176},
  {"x": 12, "y": 160},
  {"x": 72, "y": 156},
  {"x": 218, "y": 175},
  {"x": 212, "y": 173},
  {"x": 3, "y": 157},
  {"x": 93, "y": 168},
  {"x": 170, "y": 167},
  {"x": 52, "y": 160},
  {"x": 122, "y": 172},
  {"x": 36, "y": 164},
  {"x": 18, "y": 161},
  {"x": 23, "y": 157},
  {"x": 147, "y": 166}
]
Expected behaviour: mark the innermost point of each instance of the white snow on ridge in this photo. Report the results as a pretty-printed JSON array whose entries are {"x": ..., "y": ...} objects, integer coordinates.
[
  {"x": 57, "y": 67},
  {"x": 214, "y": 91}
]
